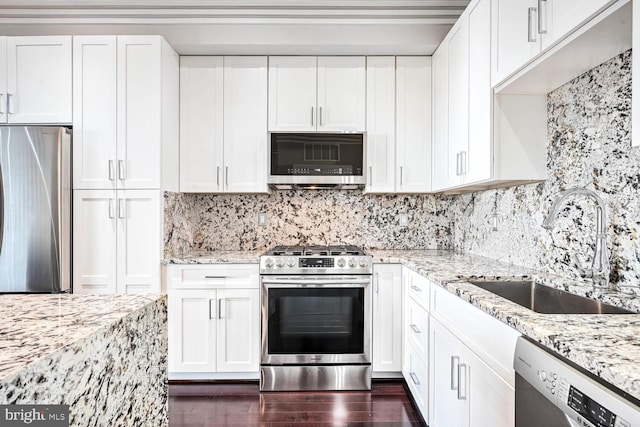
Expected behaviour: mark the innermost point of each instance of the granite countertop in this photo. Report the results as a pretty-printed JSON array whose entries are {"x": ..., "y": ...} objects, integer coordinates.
[
  {"x": 217, "y": 257},
  {"x": 33, "y": 326},
  {"x": 605, "y": 345}
]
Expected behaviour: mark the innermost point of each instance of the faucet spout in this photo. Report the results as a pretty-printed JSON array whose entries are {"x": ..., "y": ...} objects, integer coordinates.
[{"x": 600, "y": 268}]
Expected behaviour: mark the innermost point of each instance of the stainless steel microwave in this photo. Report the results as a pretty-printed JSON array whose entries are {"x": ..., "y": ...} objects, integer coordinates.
[{"x": 317, "y": 160}]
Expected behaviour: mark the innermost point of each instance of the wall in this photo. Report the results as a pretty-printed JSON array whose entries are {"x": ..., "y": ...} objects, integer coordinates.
[
  {"x": 589, "y": 137},
  {"x": 200, "y": 222}
]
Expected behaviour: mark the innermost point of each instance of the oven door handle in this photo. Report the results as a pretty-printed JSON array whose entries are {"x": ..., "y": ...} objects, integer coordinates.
[{"x": 297, "y": 281}]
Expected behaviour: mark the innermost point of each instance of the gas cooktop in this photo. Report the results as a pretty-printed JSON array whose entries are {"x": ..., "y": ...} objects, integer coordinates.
[
  {"x": 330, "y": 259},
  {"x": 331, "y": 250}
]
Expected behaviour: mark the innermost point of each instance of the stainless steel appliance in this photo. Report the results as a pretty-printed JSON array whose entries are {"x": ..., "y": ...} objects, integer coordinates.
[
  {"x": 35, "y": 209},
  {"x": 317, "y": 160},
  {"x": 316, "y": 318},
  {"x": 551, "y": 393}
]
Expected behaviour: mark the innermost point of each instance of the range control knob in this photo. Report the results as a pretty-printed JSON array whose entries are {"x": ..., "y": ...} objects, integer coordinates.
[
  {"x": 352, "y": 262},
  {"x": 280, "y": 262},
  {"x": 268, "y": 263},
  {"x": 542, "y": 375},
  {"x": 341, "y": 262},
  {"x": 291, "y": 262},
  {"x": 363, "y": 262}
]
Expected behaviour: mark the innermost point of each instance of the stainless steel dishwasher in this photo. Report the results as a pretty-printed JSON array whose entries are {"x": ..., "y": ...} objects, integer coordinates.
[{"x": 551, "y": 393}]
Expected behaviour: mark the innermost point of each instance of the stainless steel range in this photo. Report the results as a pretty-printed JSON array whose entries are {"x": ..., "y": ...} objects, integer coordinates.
[{"x": 316, "y": 318}]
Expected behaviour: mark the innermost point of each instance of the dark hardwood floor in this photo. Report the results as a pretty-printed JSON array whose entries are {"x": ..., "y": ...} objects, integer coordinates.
[{"x": 214, "y": 404}]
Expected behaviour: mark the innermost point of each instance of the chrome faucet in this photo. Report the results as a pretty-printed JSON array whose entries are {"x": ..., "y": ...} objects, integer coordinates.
[{"x": 600, "y": 268}]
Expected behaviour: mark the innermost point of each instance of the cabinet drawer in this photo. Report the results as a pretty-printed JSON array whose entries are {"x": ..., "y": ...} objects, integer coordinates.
[
  {"x": 489, "y": 338},
  {"x": 416, "y": 375},
  {"x": 417, "y": 331},
  {"x": 238, "y": 276},
  {"x": 418, "y": 288}
]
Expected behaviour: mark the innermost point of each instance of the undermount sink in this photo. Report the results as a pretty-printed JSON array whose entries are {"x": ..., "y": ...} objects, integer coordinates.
[{"x": 547, "y": 300}]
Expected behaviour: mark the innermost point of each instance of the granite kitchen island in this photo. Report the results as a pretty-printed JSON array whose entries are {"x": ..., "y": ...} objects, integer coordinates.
[{"x": 103, "y": 355}]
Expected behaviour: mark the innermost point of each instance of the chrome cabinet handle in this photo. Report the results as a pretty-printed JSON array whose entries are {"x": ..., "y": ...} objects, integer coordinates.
[
  {"x": 215, "y": 277},
  {"x": 455, "y": 361},
  {"x": 401, "y": 175},
  {"x": 377, "y": 283},
  {"x": 461, "y": 381},
  {"x": 226, "y": 176},
  {"x": 457, "y": 164},
  {"x": 530, "y": 31},
  {"x": 542, "y": 17},
  {"x": 9, "y": 103},
  {"x": 112, "y": 214},
  {"x": 463, "y": 163},
  {"x": 370, "y": 175},
  {"x": 220, "y": 305},
  {"x": 218, "y": 176},
  {"x": 414, "y": 378},
  {"x": 210, "y": 311},
  {"x": 121, "y": 207},
  {"x": 121, "y": 170},
  {"x": 415, "y": 329},
  {"x": 321, "y": 124},
  {"x": 312, "y": 125},
  {"x": 415, "y": 288},
  {"x": 112, "y": 171}
]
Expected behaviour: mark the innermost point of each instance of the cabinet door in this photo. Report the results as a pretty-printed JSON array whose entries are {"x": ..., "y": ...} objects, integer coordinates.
[
  {"x": 139, "y": 111},
  {"x": 512, "y": 28},
  {"x": 558, "y": 18},
  {"x": 94, "y": 241},
  {"x": 381, "y": 109},
  {"x": 387, "y": 318},
  {"x": 201, "y": 123},
  {"x": 3, "y": 79},
  {"x": 341, "y": 93},
  {"x": 192, "y": 330},
  {"x": 479, "y": 158},
  {"x": 139, "y": 241},
  {"x": 39, "y": 79},
  {"x": 292, "y": 93},
  {"x": 446, "y": 409},
  {"x": 413, "y": 124},
  {"x": 440, "y": 160},
  {"x": 245, "y": 124},
  {"x": 94, "y": 112},
  {"x": 490, "y": 399},
  {"x": 458, "y": 53},
  {"x": 238, "y": 344}
]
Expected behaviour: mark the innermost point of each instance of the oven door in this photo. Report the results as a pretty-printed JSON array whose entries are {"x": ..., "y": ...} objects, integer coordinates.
[{"x": 316, "y": 320}]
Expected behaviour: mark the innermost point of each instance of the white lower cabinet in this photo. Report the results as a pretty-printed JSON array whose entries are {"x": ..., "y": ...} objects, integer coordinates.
[
  {"x": 387, "y": 320},
  {"x": 116, "y": 241},
  {"x": 214, "y": 321}
]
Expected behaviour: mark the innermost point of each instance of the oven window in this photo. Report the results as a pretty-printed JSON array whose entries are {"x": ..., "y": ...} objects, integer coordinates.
[{"x": 316, "y": 321}]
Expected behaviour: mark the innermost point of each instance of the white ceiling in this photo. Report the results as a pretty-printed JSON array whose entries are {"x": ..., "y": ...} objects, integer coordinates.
[{"x": 246, "y": 27}]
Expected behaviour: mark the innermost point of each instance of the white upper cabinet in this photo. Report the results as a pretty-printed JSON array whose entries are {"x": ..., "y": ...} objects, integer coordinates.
[
  {"x": 308, "y": 93},
  {"x": 441, "y": 177},
  {"x": 223, "y": 126},
  {"x": 381, "y": 108},
  {"x": 35, "y": 80},
  {"x": 125, "y": 110},
  {"x": 413, "y": 124}
]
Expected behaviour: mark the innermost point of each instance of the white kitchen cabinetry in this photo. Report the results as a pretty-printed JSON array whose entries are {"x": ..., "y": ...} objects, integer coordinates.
[
  {"x": 35, "y": 80},
  {"x": 214, "y": 321},
  {"x": 381, "y": 110},
  {"x": 413, "y": 124},
  {"x": 471, "y": 365},
  {"x": 223, "y": 131},
  {"x": 308, "y": 93},
  {"x": 387, "y": 320},
  {"x": 116, "y": 241},
  {"x": 416, "y": 338},
  {"x": 441, "y": 178},
  {"x": 124, "y": 113}
]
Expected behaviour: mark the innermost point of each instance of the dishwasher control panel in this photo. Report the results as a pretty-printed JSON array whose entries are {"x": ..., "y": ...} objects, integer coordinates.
[{"x": 583, "y": 400}]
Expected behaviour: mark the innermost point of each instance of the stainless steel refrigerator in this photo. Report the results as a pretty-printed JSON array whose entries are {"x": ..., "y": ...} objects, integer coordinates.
[{"x": 35, "y": 209}]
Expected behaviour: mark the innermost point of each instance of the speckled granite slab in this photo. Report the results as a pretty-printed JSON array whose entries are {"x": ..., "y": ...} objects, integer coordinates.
[
  {"x": 606, "y": 345},
  {"x": 104, "y": 355},
  {"x": 217, "y": 257}
]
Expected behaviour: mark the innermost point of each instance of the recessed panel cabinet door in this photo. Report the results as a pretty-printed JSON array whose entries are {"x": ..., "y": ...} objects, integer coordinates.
[
  {"x": 560, "y": 17},
  {"x": 292, "y": 93},
  {"x": 94, "y": 241},
  {"x": 341, "y": 93},
  {"x": 192, "y": 330},
  {"x": 387, "y": 318},
  {"x": 139, "y": 111},
  {"x": 201, "y": 123},
  {"x": 94, "y": 112},
  {"x": 458, "y": 54},
  {"x": 238, "y": 330},
  {"x": 139, "y": 241},
  {"x": 39, "y": 79},
  {"x": 245, "y": 124},
  {"x": 440, "y": 161}
]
